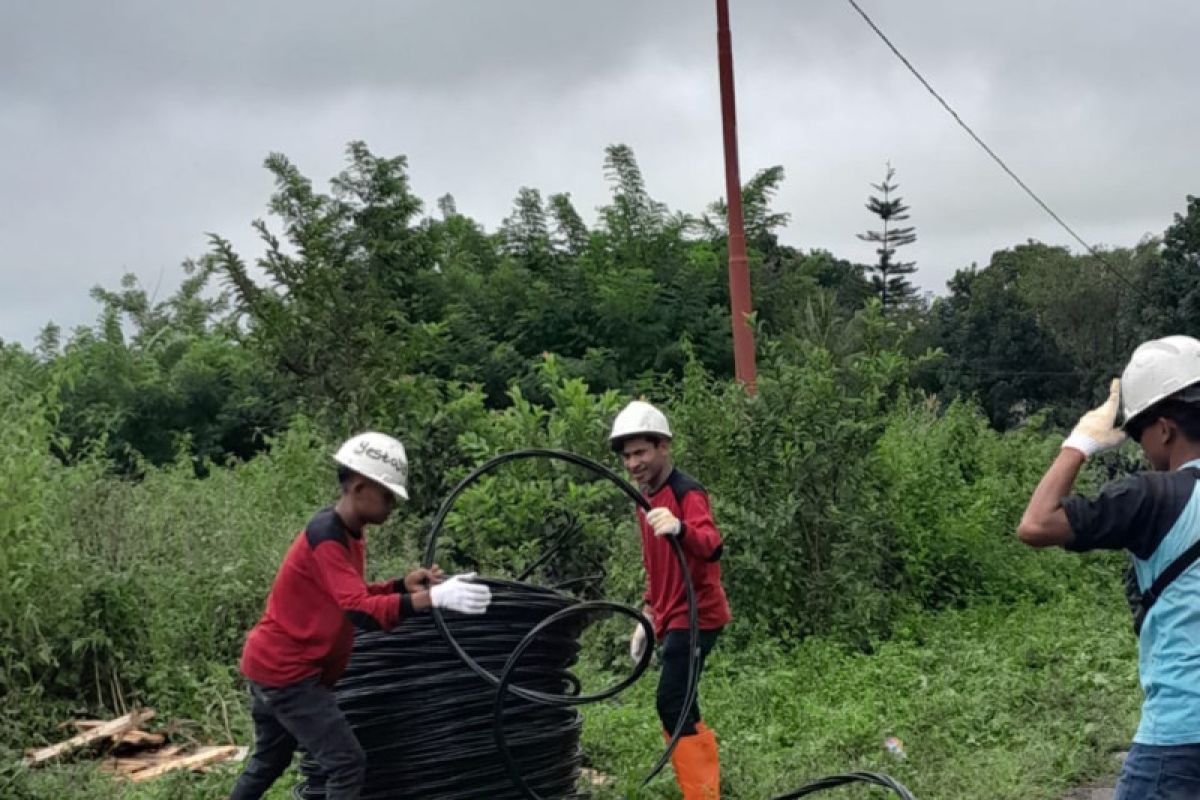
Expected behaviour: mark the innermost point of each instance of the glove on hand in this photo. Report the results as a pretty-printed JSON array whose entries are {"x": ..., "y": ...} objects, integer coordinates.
[
  {"x": 637, "y": 644},
  {"x": 663, "y": 522},
  {"x": 460, "y": 594},
  {"x": 1097, "y": 430}
]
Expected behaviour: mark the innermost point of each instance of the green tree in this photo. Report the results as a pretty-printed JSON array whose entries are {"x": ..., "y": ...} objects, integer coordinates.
[
  {"x": 526, "y": 233},
  {"x": 1090, "y": 306},
  {"x": 1172, "y": 288},
  {"x": 151, "y": 380},
  {"x": 570, "y": 235},
  {"x": 888, "y": 276},
  {"x": 995, "y": 349},
  {"x": 344, "y": 304}
]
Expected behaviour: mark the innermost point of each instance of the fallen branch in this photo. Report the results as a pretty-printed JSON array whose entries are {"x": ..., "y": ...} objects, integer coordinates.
[
  {"x": 114, "y": 728},
  {"x": 126, "y": 765},
  {"x": 205, "y": 755}
]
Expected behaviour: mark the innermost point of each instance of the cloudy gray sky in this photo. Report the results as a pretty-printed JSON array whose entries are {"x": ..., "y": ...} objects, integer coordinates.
[{"x": 129, "y": 128}]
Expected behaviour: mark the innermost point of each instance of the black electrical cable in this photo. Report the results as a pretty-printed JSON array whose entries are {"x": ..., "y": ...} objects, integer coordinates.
[
  {"x": 636, "y": 496},
  {"x": 510, "y": 672},
  {"x": 836, "y": 781},
  {"x": 433, "y": 729},
  {"x": 567, "y": 530},
  {"x": 1099, "y": 256},
  {"x": 425, "y": 719},
  {"x": 503, "y": 683}
]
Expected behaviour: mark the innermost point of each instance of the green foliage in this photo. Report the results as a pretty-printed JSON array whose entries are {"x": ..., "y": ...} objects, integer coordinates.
[
  {"x": 27, "y": 483},
  {"x": 953, "y": 488},
  {"x": 151, "y": 380},
  {"x": 1172, "y": 283},
  {"x": 996, "y": 350},
  {"x": 889, "y": 278},
  {"x": 1015, "y": 702},
  {"x": 848, "y": 505},
  {"x": 513, "y": 515},
  {"x": 84, "y": 781},
  {"x": 155, "y": 466},
  {"x": 1026, "y": 333},
  {"x": 360, "y": 291},
  {"x": 357, "y": 298},
  {"x": 119, "y": 592},
  {"x": 1085, "y": 304},
  {"x": 790, "y": 473}
]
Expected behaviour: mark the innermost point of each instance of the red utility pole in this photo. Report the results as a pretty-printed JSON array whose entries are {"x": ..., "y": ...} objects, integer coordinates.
[{"x": 739, "y": 269}]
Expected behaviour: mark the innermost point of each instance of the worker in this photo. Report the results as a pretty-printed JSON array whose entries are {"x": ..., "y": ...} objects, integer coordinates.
[
  {"x": 680, "y": 511},
  {"x": 300, "y": 647},
  {"x": 1155, "y": 515}
]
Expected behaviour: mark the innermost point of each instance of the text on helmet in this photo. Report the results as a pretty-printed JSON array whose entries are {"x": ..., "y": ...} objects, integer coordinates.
[{"x": 375, "y": 454}]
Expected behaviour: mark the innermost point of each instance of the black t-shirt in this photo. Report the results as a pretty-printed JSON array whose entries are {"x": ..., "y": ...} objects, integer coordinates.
[{"x": 1133, "y": 513}]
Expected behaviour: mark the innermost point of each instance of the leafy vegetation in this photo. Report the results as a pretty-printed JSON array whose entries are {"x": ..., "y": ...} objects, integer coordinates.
[{"x": 155, "y": 466}]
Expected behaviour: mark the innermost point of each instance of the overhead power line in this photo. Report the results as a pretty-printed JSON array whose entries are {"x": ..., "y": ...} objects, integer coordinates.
[{"x": 992, "y": 153}]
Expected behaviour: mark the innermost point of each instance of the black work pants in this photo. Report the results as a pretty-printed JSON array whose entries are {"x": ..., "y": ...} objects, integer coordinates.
[
  {"x": 672, "y": 682},
  {"x": 304, "y": 714}
]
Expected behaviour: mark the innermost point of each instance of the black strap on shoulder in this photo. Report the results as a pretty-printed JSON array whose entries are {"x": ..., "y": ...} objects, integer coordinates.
[
  {"x": 1165, "y": 578},
  {"x": 1173, "y": 571}
]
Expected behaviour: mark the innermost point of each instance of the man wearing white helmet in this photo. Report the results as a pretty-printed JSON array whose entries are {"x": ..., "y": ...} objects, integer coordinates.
[
  {"x": 1156, "y": 517},
  {"x": 301, "y": 645},
  {"x": 642, "y": 437}
]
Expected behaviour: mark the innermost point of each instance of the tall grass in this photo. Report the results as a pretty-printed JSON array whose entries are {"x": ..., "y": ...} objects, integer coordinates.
[{"x": 854, "y": 513}]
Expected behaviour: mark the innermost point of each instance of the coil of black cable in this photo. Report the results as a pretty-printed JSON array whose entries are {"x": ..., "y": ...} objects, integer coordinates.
[{"x": 425, "y": 720}]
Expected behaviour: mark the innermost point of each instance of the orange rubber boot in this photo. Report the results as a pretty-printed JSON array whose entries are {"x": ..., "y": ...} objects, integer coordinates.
[{"x": 697, "y": 767}]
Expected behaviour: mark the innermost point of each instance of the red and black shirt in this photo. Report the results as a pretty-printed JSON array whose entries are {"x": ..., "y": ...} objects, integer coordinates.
[
  {"x": 701, "y": 543},
  {"x": 319, "y": 596}
]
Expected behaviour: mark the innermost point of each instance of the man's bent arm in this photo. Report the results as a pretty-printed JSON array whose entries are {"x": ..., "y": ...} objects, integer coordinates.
[{"x": 1045, "y": 523}]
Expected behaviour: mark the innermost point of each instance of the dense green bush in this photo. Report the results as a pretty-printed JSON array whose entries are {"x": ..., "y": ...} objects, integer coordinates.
[
  {"x": 850, "y": 506},
  {"x": 953, "y": 488},
  {"x": 154, "y": 467},
  {"x": 846, "y": 502}
]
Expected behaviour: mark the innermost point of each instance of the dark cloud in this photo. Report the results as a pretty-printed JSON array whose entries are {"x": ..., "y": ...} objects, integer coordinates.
[
  {"x": 251, "y": 50},
  {"x": 131, "y": 128}
]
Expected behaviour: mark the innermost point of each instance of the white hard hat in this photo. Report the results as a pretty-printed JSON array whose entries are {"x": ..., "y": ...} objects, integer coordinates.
[
  {"x": 639, "y": 418},
  {"x": 1158, "y": 369},
  {"x": 378, "y": 457}
]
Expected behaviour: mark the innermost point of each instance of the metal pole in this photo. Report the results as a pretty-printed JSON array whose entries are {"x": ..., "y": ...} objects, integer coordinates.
[{"x": 739, "y": 269}]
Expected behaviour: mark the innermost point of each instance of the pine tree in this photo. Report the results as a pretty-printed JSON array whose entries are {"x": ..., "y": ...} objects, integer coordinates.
[
  {"x": 570, "y": 233},
  {"x": 526, "y": 232},
  {"x": 889, "y": 278}
]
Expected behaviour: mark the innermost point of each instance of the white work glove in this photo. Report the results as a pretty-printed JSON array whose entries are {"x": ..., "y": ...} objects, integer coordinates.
[
  {"x": 637, "y": 643},
  {"x": 663, "y": 522},
  {"x": 1097, "y": 430},
  {"x": 460, "y": 594}
]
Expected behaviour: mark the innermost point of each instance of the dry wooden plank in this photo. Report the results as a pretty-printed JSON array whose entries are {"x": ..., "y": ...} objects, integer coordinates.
[
  {"x": 115, "y": 727},
  {"x": 240, "y": 755},
  {"x": 133, "y": 763},
  {"x": 81, "y": 724},
  {"x": 141, "y": 739},
  {"x": 203, "y": 756},
  {"x": 167, "y": 752},
  {"x": 126, "y": 765}
]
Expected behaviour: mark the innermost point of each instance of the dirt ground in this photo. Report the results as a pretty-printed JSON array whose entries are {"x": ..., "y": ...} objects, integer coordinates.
[{"x": 1099, "y": 791}]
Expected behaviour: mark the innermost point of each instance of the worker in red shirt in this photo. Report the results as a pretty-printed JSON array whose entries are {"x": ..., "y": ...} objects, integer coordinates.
[
  {"x": 642, "y": 437},
  {"x": 300, "y": 647}
]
